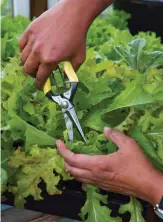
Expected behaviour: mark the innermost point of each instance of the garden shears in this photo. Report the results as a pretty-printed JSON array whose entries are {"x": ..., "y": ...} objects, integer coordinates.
[{"x": 65, "y": 99}]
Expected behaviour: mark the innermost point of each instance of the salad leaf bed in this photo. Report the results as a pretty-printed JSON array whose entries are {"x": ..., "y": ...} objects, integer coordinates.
[{"x": 121, "y": 86}]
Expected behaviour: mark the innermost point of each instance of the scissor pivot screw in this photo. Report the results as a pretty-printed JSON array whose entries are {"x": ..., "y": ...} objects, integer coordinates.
[{"x": 64, "y": 104}]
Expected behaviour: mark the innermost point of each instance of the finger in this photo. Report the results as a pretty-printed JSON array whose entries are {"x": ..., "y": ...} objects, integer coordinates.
[
  {"x": 117, "y": 190},
  {"x": 78, "y": 172},
  {"x": 31, "y": 65},
  {"x": 23, "y": 40},
  {"x": 111, "y": 188},
  {"x": 44, "y": 71},
  {"x": 84, "y": 186},
  {"x": 121, "y": 140},
  {"x": 26, "y": 52},
  {"x": 76, "y": 64},
  {"x": 78, "y": 160},
  {"x": 114, "y": 185},
  {"x": 86, "y": 181},
  {"x": 78, "y": 60}
]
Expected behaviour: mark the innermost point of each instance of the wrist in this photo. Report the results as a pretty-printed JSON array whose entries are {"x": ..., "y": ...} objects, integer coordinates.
[
  {"x": 86, "y": 11},
  {"x": 157, "y": 188},
  {"x": 153, "y": 188}
]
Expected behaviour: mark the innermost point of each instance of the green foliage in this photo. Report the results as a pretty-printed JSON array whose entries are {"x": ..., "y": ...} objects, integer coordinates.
[
  {"x": 147, "y": 147},
  {"x": 11, "y": 30},
  {"x": 120, "y": 85},
  {"x": 134, "y": 56},
  {"x": 4, "y": 179},
  {"x": 110, "y": 31},
  {"x": 100, "y": 31}
]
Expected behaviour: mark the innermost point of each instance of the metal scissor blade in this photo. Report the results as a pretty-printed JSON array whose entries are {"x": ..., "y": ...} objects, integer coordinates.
[
  {"x": 76, "y": 121},
  {"x": 69, "y": 126}
]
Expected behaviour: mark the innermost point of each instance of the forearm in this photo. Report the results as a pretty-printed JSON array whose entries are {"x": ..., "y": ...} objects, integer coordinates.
[{"x": 85, "y": 11}]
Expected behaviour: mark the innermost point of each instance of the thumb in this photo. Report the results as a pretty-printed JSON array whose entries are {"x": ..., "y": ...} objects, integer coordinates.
[{"x": 121, "y": 140}]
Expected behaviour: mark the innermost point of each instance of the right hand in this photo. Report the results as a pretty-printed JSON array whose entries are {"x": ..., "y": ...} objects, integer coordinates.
[
  {"x": 127, "y": 171},
  {"x": 57, "y": 35}
]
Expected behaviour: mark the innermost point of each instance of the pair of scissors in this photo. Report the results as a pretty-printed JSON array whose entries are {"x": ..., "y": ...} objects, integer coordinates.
[{"x": 65, "y": 100}]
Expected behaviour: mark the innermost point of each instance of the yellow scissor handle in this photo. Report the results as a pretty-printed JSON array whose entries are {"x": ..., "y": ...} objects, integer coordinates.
[
  {"x": 69, "y": 71},
  {"x": 47, "y": 86}
]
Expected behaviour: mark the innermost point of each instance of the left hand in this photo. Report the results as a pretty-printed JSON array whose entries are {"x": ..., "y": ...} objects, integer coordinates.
[{"x": 127, "y": 171}]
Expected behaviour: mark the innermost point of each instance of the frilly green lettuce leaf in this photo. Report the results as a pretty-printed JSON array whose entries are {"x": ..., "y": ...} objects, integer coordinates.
[
  {"x": 133, "y": 95},
  {"x": 153, "y": 41},
  {"x": 133, "y": 52},
  {"x": 93, "y": 210},
  {"x": 4, "y": 180},
  {"x": 135, "y": 56},
  {"x": 147, "y": 146},
  {"x": 102, "y": 29},
  {"x": 134, "y": 208},
  {"x": 32, "y": 135},
  {"x": 38, "y": 164}
]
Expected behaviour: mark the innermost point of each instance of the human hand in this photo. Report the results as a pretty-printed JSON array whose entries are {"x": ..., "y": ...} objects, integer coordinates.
[
  {"x": 127, "y": 171},
  {"x": 58, "y": 35}
]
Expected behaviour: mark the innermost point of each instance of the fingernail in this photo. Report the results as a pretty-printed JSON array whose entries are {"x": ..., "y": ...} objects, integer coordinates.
[
  {"x": 58, "y": 143},
  {"x": 107, "y": 129}
]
